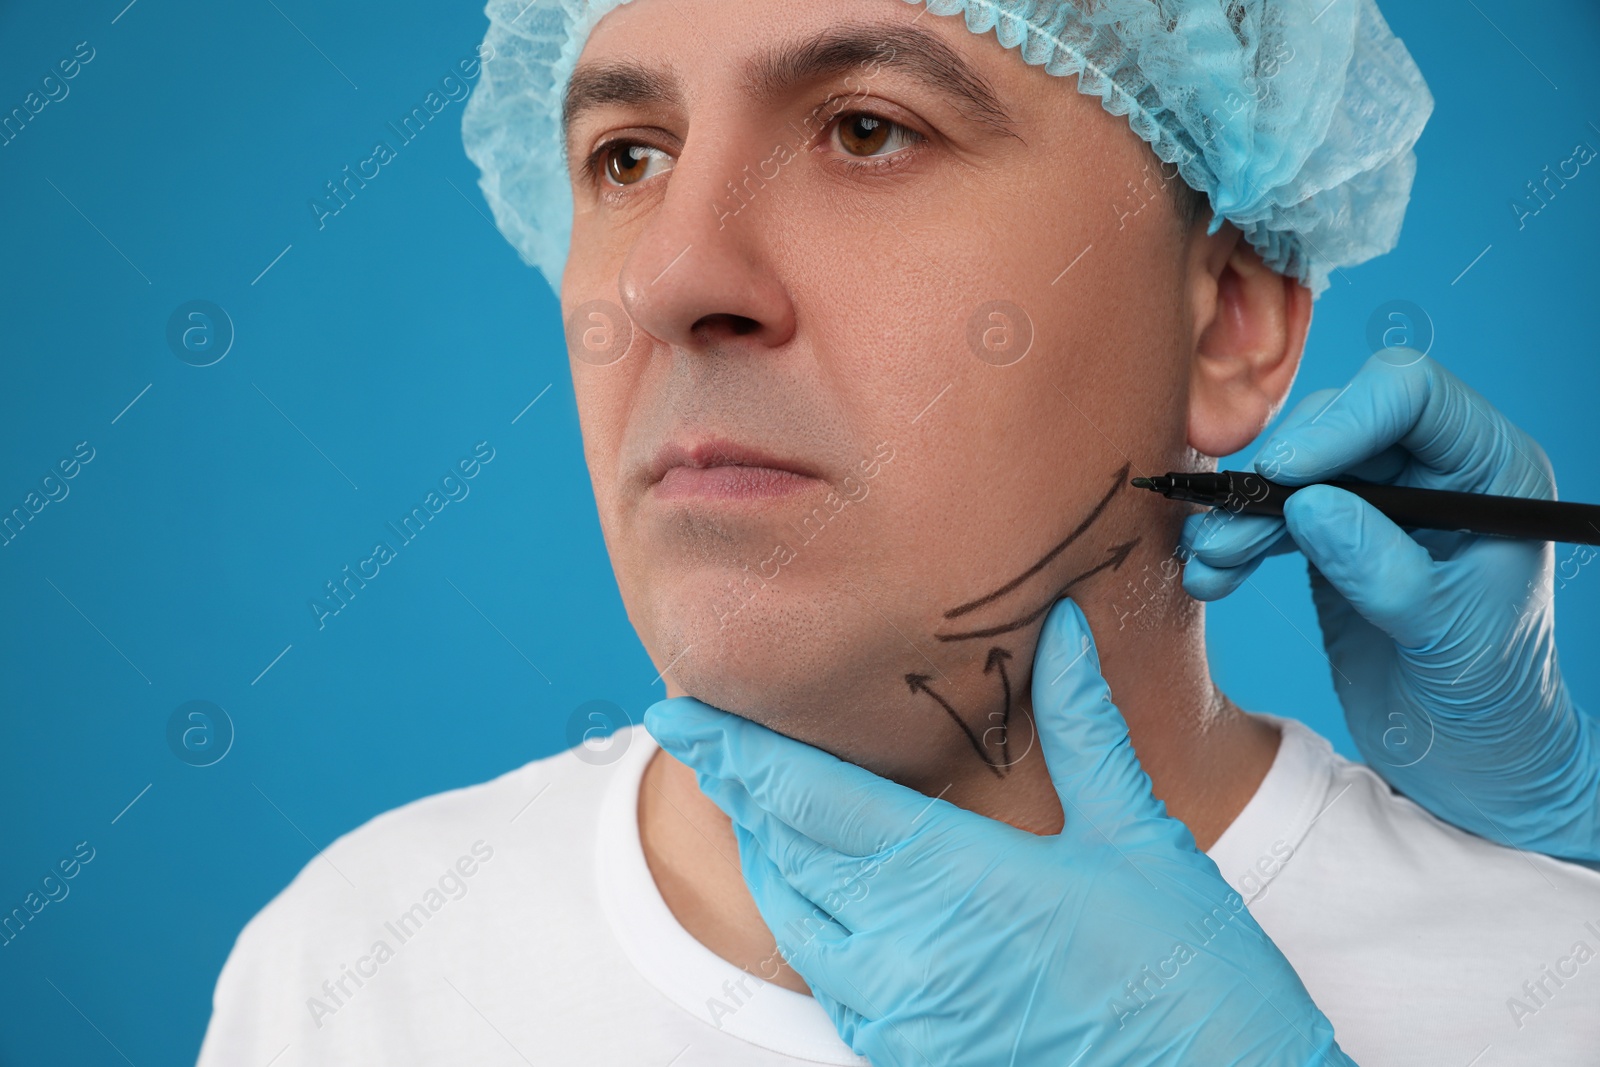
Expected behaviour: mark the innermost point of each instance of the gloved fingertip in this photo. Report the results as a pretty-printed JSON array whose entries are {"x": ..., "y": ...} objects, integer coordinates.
[
  {"x": 1082, "y": 734},
  {"x": 1205, "y": 582},
  {"x": 680, "y": 718},
  {"x": 1399, "y": 357},
  {"x": 1235, "y": 538},
  {"x": 1327, "y": 523},
  {"x": 1067, "y": 680},
  {"x": 1199, "y": 531},
  {"x": 1066, "y": 637},
  {"x": 1375, "y": 565},
  {"x": 1321, "y": 509},
  {"x": 1271, "y": 447},
  {"x": 1294, "y": 457}
]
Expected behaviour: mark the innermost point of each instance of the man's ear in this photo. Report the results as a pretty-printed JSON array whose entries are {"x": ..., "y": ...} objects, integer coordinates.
[{"x": 1250, "y": 329}]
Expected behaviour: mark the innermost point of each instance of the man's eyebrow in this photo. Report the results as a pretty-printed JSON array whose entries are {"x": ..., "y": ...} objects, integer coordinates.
[
  {"x": 627, "y": 82},
  {"x": 909, "y": 49},
  {"x": 774, "y": 74}
]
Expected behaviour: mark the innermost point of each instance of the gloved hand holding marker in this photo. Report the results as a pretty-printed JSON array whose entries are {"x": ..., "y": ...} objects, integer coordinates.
[
  {"x": 1456, "y": 700},
  {"x": 1442, "y": 644}
]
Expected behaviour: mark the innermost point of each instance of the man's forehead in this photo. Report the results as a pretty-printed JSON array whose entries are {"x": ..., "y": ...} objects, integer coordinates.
[{"x": 774, "y": 71}]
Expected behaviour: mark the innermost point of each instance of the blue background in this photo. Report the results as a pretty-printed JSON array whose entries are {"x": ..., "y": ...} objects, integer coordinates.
[{"x": 371, "y": 357}]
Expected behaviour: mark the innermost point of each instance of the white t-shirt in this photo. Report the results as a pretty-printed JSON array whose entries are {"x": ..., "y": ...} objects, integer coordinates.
[{"x": 516, "y": 922}]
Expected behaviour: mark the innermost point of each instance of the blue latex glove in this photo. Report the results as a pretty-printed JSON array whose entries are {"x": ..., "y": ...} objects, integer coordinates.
[
  {"x": 1442, "y": 644},
  {"x": 934, "y": 935}
]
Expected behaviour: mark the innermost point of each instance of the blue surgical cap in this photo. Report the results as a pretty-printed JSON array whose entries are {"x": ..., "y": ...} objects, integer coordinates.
[{"x": 1296, "y": 118}]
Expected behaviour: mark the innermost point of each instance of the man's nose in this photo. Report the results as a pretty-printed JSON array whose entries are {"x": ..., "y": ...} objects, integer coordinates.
[{"x": 703, "y": 267}]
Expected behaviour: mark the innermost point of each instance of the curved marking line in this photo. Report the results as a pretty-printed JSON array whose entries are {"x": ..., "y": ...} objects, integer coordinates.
[
  {"x": 1116, "y": 486},
  {"x": 1120, "y": 555}
]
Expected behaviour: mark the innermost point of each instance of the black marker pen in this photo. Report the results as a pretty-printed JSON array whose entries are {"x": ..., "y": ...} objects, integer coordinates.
[{"x": 1427, "y": 509}]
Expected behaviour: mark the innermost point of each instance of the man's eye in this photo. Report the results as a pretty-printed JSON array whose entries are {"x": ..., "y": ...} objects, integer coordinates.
[
  {"x": 629, "y": 163},
  {"x": 860, "y": 134}
]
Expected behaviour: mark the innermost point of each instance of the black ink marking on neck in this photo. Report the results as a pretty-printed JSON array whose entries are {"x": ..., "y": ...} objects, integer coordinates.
[
  {"x": 1119, "y": 555},
  {"x": 919, "y": 684},
  {"x": 997, "y": 660},
  {"x": 1117, "y": 483}
]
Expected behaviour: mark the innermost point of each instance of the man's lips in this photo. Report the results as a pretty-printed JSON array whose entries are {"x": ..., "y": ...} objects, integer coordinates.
[{"x": 717, "y": 468}]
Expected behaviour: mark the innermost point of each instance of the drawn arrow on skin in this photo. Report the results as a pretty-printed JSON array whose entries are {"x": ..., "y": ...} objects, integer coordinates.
[
  {"x": 997, "y": 659},
  {"x": 1119, "y": 556},
  {"x": 919, "y": 684},
  {"x": 1119, "y": 480}
]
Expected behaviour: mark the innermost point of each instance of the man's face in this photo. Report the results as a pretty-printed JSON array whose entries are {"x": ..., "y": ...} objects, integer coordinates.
[{"x": 837, "y": 494}]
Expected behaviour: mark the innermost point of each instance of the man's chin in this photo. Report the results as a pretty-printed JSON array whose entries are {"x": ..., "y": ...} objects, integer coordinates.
[
  {"x": 749, "y": 672},
  {"x": 831, "y": 671},
  {"x": 777, "y": 659}
]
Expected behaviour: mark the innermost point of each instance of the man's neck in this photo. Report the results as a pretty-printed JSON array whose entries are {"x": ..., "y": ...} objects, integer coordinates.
[{"x": 1204, "y": 756}]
